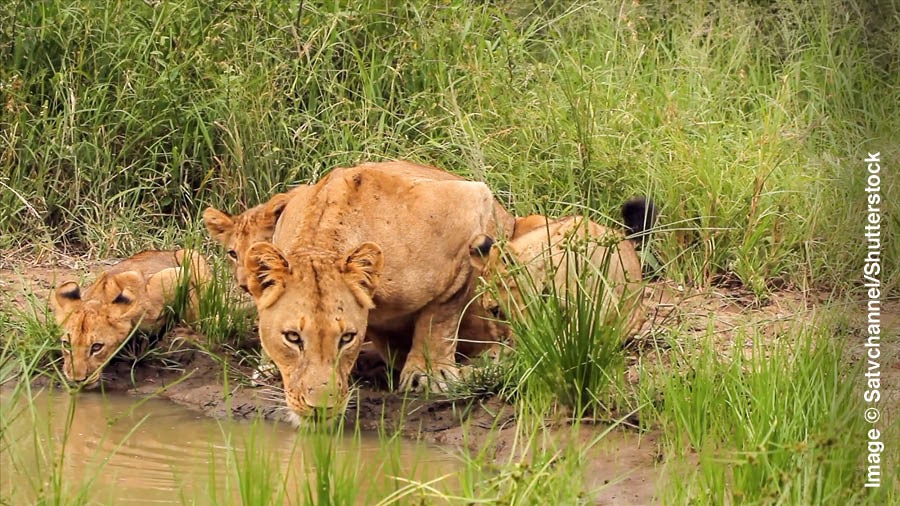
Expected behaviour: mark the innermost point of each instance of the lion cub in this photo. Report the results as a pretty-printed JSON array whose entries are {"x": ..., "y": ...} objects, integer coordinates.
[
  {"x": 564, "y": 256},
  {"x": 132, "y": 295},
  {"x": 257, "y": 224}
]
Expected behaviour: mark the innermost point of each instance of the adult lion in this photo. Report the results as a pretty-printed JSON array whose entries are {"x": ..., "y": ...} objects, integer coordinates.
[
  {"x": 565, "y": 256},
  {"x": 277, "y": 220},
  {"x": 263, "y": 223},
  {"x": 134, "y": 294},
  {"x": 373, "y": 249}
]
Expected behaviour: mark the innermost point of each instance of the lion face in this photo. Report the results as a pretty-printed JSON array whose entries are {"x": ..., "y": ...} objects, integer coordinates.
[
  {"x": 500, "y": 293},
  {"x": 96, "y": 325},
  {"x": 238, "y": 233},
  {"x": 313, "y": 312}
]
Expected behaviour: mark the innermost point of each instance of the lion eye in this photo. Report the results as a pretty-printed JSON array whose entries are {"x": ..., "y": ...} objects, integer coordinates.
[
  {"x": 348, "y": 338},
  {"x": 293, "y": 337},
  {"x": 66, "y": 345},
  {"x": 96, "y": 347},
  {"x": 233, "y": 254}
]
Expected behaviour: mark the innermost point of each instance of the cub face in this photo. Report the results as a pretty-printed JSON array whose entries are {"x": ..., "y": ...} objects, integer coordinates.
[
  {"x": 94, "y": 327},
  {"x": 238, "y": 233},
  {"x": 313, "y": 312},
  {"x": 500, "y": 290}
]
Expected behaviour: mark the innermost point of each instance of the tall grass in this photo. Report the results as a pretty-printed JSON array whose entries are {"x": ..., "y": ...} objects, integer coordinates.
[
  {"x": 568, "y": 344},
  {"x": 223, "y": 316},
  {"x": 121, "y": 120},
  {"x": 781, "y": 424}
]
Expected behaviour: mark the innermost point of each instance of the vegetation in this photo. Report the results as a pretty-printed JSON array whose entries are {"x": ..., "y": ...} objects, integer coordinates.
[
  {"x": 784, "y": 420},
  {"x": 746, "y": 122},
  {"x": 568, "y": 346}
]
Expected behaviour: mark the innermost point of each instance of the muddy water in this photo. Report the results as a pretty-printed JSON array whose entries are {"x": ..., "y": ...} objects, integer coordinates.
[{"x": 125, "y": 450}]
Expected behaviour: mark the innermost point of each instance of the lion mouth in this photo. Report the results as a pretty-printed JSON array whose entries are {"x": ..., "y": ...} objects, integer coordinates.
[
  {"x": 85, "y": 384},
  {"x": 89, "y": 383},
  {"x": 301, "y": 408}
]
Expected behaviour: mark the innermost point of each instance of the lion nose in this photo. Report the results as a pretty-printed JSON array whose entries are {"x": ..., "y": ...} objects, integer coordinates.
[
  {"x": 78, "y": 381},
  {"x": 322, "y": 396}
]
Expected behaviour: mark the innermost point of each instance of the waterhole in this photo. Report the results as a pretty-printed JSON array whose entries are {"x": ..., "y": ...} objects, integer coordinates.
[{"x": 94, "y": 448}]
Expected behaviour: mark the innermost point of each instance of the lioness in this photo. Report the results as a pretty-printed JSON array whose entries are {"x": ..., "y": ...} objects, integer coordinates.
[
  {"x": 277, "y": 220},
  {"x": 131, "y": 295},
  {"x": 374, "y": 249},
  {"x": 562, "y": 257}
]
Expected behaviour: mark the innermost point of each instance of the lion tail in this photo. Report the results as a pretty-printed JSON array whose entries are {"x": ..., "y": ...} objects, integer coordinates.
[{"x": 639, "y": 215}]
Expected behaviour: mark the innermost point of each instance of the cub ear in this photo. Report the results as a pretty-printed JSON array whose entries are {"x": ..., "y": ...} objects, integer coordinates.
[
  {"x": 122, "y": 289},
  {"x": 268, "y": 270},
  {"x": 480, "y": 250},
  {"x": 218, "y": 224},
  {"x": 275, "y": 206},
  {"x": 65, "y": 296},
  {"x": 362, "y": 268},
  {"x": 528, "y": 223}
]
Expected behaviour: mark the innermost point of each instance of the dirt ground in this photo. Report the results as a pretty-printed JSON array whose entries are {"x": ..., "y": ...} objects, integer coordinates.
[{"x": 625, "y": 466}]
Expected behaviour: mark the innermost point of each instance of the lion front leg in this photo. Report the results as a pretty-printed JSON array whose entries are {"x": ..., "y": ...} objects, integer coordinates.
[{"x": 431, "y": 362}]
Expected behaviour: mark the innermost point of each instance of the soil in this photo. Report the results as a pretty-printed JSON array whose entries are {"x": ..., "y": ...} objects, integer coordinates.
[{"x": 625, "y": 467}]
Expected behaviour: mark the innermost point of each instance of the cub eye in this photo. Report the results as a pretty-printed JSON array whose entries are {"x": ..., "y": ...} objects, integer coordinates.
[
  {"x": 496, "y": 312},
  {"x": 96, "y": 347},
  {"x": 293, "y": 337},
  {"x": 232, "y": 254},
  {"x": 348, "y": 338}
]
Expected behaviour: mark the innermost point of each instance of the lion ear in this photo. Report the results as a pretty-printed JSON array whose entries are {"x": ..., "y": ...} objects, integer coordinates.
[
  {"x": 268, "y": 271},
  {"x": 122, "y": 290},
  {"x": 480, "y": 250},
  {"x": 362, "y": 268},
  {"x": 64, "y": 298},
  {"x": 218, "y": 224},
  {"x": 275, "y": 206},
  {"x": 528, "y": 223}
]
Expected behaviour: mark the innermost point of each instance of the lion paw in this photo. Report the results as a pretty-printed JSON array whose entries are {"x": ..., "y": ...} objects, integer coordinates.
[{"x": 416, "y": 379}]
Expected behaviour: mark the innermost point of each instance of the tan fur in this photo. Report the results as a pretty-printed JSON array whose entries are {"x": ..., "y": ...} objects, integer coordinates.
[
  {"x": 257, "y": 224},
  {"x": 478, "y": 332},
  {"x": 131, "y": 295},
  {"x": 550, "y": 255},
  {"x": 369, "y": 235},
  {"x": 528, "y": 223}
]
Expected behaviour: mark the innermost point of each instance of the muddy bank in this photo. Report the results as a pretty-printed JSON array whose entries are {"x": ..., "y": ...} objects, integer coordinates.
[{"x": 216, "y": 384}]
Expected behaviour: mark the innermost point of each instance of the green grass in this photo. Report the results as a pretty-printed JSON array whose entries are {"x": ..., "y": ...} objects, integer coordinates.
[
  {"x": 781, "y": 424},
  {"x": 568, "y": 344},
  {"x": 542, "y": 464},
  {"x": 745, "y": 122},
  {"x": 223, "y": 316}
]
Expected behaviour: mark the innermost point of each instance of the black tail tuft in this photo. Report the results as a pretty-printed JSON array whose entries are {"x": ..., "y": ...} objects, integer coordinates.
[{"x": 639, "y": 215}]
